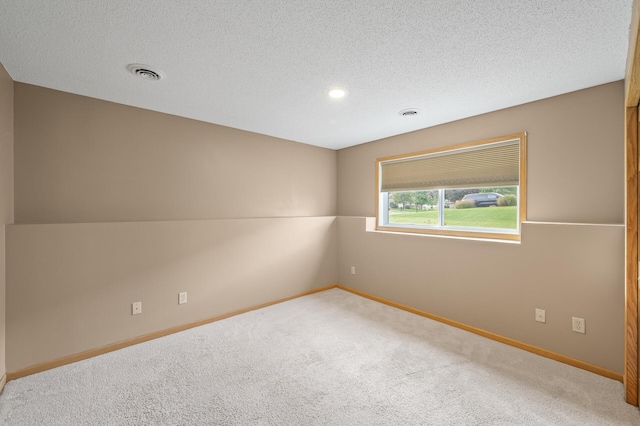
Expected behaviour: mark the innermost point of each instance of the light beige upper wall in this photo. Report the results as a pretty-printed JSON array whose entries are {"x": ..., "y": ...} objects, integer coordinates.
[
  {"x": 575, "y": 155},
  {"x": 79, "y": 159},
  {"x": 6, "y": 190}
]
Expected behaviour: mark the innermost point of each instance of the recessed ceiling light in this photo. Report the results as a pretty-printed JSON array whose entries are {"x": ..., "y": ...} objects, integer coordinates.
[
  {"x": 337, "y": 93},
  {"x": 409, "y": 112},
  {"x": 145, "y": 71}
]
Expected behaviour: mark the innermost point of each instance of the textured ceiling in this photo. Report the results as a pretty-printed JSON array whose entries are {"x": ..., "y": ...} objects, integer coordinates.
[{"x": 266, "y": 66}]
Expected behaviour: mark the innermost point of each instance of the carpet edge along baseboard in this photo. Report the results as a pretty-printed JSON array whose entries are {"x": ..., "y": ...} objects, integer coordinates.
[
  {"x": 90, "y": 353},
  {"x": 498, "y": 338},
  {"x": 3, "y": 381},
  {"x": 12, "y": 375}
]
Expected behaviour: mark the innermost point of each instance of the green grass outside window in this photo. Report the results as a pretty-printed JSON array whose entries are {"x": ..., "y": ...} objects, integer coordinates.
[{"x": 480, "y": 217}]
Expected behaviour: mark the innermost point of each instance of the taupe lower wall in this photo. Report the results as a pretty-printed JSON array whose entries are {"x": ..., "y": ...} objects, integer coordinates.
[
  {"x": 575, "y": 175},
  {"x": 568, "y": 270},
  {"x": 79, "y": 159},
  {"x": 6, "y": 190},
  {"x": 71, "y": 285}
]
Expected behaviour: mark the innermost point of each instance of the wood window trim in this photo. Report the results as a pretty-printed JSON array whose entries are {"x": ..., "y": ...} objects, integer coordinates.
[{"x": 522, "y": 201}]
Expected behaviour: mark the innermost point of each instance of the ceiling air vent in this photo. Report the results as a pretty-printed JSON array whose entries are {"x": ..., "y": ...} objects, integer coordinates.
[
  {"x": 145, "y": 71},
  {"x": 408, "y": 112}
]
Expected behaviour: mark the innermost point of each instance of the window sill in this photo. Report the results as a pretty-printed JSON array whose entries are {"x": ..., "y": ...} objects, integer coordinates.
[{"x": 447, "y": 234}]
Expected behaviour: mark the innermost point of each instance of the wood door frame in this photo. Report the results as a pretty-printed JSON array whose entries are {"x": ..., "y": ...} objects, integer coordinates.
[
  {"x": 632, "y": 97},
  {"x": 631, "y": 261}
]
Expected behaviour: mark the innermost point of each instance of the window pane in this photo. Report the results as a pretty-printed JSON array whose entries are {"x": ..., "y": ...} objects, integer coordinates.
[
  {"x": 475, "y": 189},
  {"x": 482, "y": 207},
  {"x": 414, "y": 208}
]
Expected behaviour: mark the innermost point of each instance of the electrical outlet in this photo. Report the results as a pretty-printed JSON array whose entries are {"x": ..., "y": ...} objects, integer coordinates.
[
  {"x": 353, "y": 270},
  {"x": 578, "y": 325},
  {"x": 136, "y": 308},
  {"x": 541, "y": 315},
  {"x": 182, "y": 298}
]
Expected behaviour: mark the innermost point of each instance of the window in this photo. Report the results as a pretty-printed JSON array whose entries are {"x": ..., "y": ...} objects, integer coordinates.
[{"x": 475, "y": 190}]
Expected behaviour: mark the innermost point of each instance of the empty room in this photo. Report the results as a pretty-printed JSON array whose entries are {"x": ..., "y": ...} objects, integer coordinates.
[{"x": 319, "y": 212}]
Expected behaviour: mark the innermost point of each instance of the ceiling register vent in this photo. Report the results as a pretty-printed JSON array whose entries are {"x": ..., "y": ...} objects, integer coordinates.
[
  {"x": 145, "y": 71},
  {"x": 408, "y": 112}
]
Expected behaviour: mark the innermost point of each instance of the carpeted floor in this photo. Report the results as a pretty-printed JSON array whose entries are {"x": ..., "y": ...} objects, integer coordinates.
[{"x": 331, "y": 358}]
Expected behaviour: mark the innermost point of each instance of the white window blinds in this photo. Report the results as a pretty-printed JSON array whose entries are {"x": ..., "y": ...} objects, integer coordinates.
[{"x": 494, "y": 164}]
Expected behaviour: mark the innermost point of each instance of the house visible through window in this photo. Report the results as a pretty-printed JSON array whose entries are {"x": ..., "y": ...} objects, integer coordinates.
[{"x": 475, "y": 190}]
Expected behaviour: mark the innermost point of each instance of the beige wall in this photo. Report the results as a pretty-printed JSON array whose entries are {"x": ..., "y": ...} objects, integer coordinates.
[
  {"x": 79, "y": 159},
  {"x": 575, "y": 152},
  {"x": 575, "y": 175},
  {"x": 71, "y": 285},
  {"x": 116, "y": 204},
  {"x": 118, "y": 191},
  {"x": 6, "y": 190},
  {"x": 568, "y": 270}
]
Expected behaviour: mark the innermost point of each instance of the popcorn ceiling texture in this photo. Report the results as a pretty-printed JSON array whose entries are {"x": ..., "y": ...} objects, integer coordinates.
[
  {"x": 332, "y": 358},
  {"x": 266, "y": 66}
]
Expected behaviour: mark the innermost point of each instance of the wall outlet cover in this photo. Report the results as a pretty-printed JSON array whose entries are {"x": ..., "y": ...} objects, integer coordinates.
[{"x": 578, "y": 325}]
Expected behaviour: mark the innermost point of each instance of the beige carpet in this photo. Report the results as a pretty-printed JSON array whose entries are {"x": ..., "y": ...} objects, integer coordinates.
[{"x": 332, "y": 358}]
